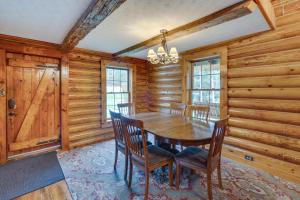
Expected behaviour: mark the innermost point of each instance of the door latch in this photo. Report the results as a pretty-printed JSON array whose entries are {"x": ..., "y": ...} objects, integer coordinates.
[{"x": 2, "y": 92}]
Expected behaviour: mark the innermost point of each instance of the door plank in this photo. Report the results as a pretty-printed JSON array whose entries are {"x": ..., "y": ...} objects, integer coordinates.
[
  {"x": 35, "y": 106},
  {"x": 3, "y": 150},
  {"x": 32, "y": 143}
]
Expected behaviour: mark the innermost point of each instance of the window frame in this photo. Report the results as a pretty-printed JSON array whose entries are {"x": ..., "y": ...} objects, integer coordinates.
[
  {"x": 187, "y": 61},
  {"x": 210, "y": 74},
  {"x": 132, "y": 79},
  {"x": 114, "y": 93}
]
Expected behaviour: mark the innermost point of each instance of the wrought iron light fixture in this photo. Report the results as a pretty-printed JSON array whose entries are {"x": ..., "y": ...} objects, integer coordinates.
[{"x": 163, "y": 56}]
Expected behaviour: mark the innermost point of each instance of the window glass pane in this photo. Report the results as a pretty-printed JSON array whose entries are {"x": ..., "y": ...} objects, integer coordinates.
[
  {"x": 196, "y": 82},
  {"x": 124, "y": 86},
  {"x": 215, "y": 81},
  {"x": 125, "y": 98},
  {"x": 197, "y": 70},
  {"x": 109, "y": 86},
  {"x": 117, "y": 86},
  {"x": 117, "y": 75},
  {"x": 109, "y": 74},
  {"x": 215, "y": 97},
  {"x": 204, "y": 97},
  {"x": 205, "y": 67},
  {"x": 110, "y": 100},
  {"x": 215, "y": 69},
  {"x": 195, "y": 97},
  {"x": 124, "y": 75},
  {"x": 205, "y": 82},
  {"x": 118, "y": 98}
]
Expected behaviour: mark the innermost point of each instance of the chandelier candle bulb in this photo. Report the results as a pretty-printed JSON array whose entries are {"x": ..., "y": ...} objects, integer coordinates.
[{"x": 163, "y": 56}]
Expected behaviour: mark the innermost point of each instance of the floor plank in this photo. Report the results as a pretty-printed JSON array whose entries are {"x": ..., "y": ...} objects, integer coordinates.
[{"x": 57, "y": 191}]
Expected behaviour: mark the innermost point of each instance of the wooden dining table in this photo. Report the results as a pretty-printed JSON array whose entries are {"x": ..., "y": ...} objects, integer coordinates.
[{"x": 176, "y": 129}]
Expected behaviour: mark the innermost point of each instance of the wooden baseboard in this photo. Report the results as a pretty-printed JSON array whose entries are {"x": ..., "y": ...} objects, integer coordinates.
[{"x": 285, "y": 170}]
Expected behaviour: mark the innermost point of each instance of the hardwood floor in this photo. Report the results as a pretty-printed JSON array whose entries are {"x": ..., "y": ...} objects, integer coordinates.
[{"x": 57, "y": 191}]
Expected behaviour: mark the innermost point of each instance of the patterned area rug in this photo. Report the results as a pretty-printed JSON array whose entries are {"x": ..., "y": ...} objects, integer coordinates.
[{"x": 89, "y": 175}]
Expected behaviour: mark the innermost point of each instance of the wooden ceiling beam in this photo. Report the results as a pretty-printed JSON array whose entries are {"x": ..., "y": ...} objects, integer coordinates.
[
  {"x": 227, "y": 14},
  {"x": 97, "y": 11},
  {"x": 268, "y": 12}
]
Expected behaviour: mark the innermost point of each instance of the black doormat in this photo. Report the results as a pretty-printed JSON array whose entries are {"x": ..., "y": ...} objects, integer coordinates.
[{"x": 23, "y": 176}]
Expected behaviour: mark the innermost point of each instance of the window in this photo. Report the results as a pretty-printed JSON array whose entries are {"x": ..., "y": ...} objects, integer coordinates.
[
  {"x": 117, "y": 88},
  {"x": 205, "y": 85}
]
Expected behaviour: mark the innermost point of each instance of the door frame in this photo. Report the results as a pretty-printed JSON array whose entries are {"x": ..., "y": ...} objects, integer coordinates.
[
  {"x": 64, "y": 105},
  {"x": 3, "y": 100}
]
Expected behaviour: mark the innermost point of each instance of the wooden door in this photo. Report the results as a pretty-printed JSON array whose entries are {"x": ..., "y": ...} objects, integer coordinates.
[{"x": 33, "y": 117}]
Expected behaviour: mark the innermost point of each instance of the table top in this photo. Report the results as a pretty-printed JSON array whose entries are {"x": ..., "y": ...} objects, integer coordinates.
[{"x": 176, "y": 127}]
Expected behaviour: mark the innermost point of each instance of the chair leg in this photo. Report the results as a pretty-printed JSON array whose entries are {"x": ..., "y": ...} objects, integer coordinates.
[
  {"x": 146, "y": 184},
  {"x": 177, "y": 175},
  {"x": 130, "y": 172},
  {"x": 170, "y": 173},
  {"x": 116, "y": 157},
  {"x": 209, "y": 186},
  {"x": 126, "y": 166},
  {"x": 219, "y": 176}
]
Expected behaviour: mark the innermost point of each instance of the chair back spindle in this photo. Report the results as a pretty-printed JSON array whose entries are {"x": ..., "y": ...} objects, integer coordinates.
[
  {"x": 126, "y": 108},
  {"x": 117, "y": 126},
  {"x": 178, "y": 109},
  {"x": 198, "y": 112},
  {"x": 133, "y": 130},
  {"x": 216, "y": 143}
]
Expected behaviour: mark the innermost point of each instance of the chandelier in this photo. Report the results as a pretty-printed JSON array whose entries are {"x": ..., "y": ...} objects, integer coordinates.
[{"x": 163, "y": 56}]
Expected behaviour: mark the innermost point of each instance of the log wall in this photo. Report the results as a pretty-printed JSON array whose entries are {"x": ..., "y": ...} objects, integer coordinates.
[
  {"x": 165, "y": 85},
  {"x": 85, "y": 109},
  {"x": 264, "y": 95}
]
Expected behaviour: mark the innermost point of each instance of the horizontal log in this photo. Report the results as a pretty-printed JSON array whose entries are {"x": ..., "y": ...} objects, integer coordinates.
[
  {"x": 82, "y": 80},
  {"x": 273, "y": 166},
  {"x": 265, "y": 93},
  {"x": 84, "y": 127},
  {"x": 95, "y": 88},
  {"x": 288, "y": 19},
  {"x": 267, "y": 47},
  {"x": 265, "y": 70},
  {"x": 265, "y": 138},
  {"x": 77, "y": 96},
  {"x": 84, "y": 111},
  {"x": 292, "y": 81},
  {"x": 85, "y": 103},
  {"x": 89, "y": 133},
  {"x": 266, "y": 59},
  {"x": 266, "y": 104},
  {"x": 263, "y": 149},
  {"x": 269, "y": 127},
  {"x": 92, "y": 140},
  {"x": 84, "y": 119},
  {"x": 84, "y": 64},
  {"x": 84, "y": 73},
  {"x": 264, "y": 115}
]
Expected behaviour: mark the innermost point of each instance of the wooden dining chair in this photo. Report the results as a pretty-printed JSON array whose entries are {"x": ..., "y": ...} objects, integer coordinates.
[
  {"x": 178, "y": 109},
  {"x": 120, "y": 141},
  {"x": 198, "y": 112},
  {"x": 126, "y": 108},
  {"x": 199, "y": 159},
  {"x": 146, "y": 157}
]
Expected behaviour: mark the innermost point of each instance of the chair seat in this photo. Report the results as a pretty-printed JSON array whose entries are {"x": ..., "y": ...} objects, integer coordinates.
[
  {"x": 155, "y": 155},
  {"x": 167, "y": 147},
  {"x": 193, "y": 156}
]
